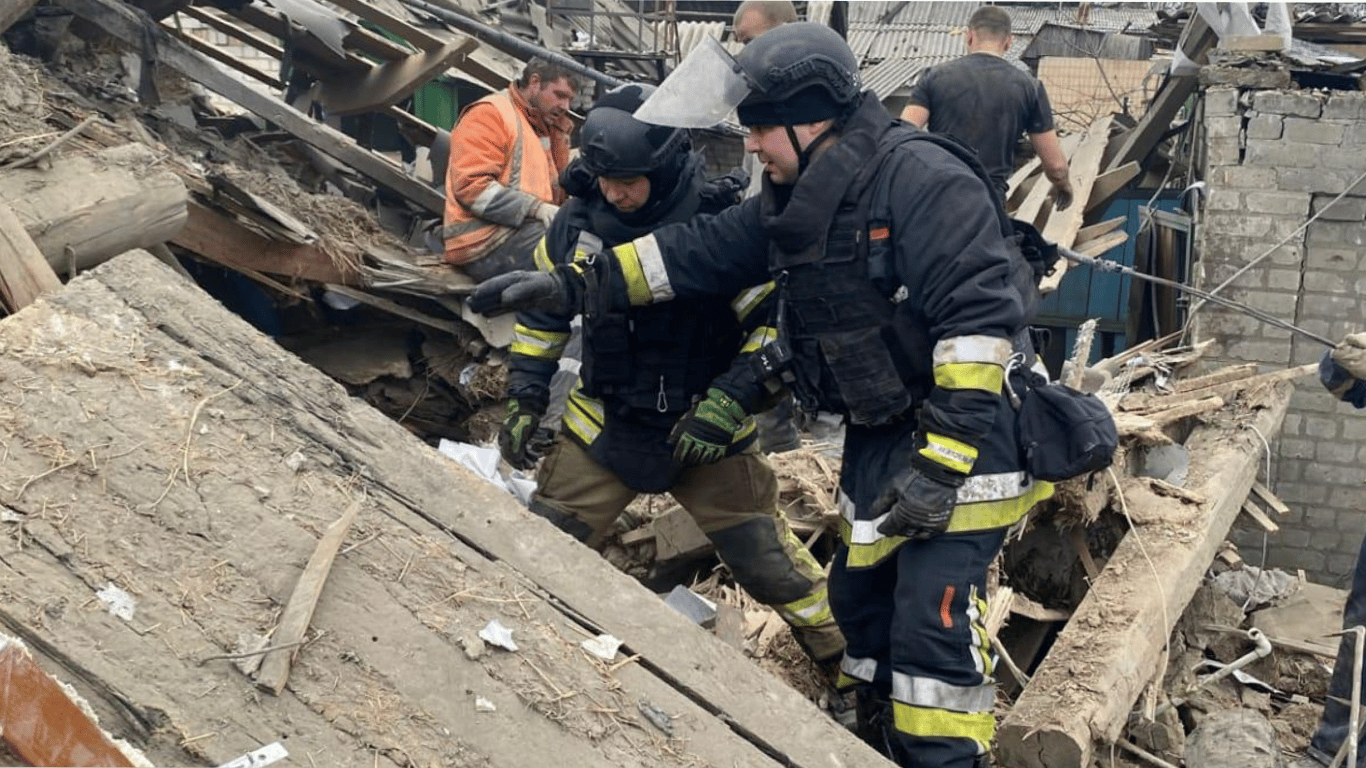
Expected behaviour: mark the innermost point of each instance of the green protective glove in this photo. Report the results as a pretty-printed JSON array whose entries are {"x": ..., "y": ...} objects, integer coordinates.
[
  {"x": 705, "y": 432},
  {"x": 516, "y": 439}
]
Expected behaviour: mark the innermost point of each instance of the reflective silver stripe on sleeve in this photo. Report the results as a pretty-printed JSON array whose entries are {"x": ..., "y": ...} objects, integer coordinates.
[
  {"x": 976, "y": 489},
  {"x": 972, "y": 349},
  {"x": 864, "y": 669},
  {"x": 486, "y": 198},
  {"x": 652, "y": 267}
]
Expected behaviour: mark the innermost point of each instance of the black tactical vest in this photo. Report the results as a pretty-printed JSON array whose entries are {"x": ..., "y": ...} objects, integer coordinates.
[
  {"x": 657, "y": 357},
  {"x": 857, "y": 349}
]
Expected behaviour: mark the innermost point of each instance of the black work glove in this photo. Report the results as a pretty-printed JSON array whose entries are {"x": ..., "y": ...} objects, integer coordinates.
[
  {"x": 919, "y": 501},
  {"x": 705, "y": 432},
  {"x": 518, "y": 440},
  {"x": 559, "y": 291}
]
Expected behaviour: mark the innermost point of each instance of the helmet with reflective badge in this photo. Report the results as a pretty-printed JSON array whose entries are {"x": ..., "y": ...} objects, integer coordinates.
[
  {"x": 799, "y": 73},
  {"x": 614, "y": 144}
]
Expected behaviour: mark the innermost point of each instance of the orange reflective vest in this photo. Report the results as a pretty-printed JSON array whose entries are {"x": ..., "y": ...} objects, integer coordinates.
[{"x": 499, "y": 169}]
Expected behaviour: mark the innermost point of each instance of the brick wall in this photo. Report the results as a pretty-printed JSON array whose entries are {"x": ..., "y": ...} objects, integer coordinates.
[{"x": 1273, "y": 159}]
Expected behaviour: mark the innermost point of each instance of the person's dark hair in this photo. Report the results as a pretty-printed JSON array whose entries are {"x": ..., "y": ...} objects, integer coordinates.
[
  {"x": 549, "y": 72},
  {"x": 990, "y": 21},
  {"x": 773, "y": 12}
]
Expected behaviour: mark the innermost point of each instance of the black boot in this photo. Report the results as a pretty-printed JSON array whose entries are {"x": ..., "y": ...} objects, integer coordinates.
[{"x": 874, "y": 718}]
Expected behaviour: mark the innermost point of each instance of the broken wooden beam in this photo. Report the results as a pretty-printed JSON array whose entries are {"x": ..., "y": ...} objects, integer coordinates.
[
  {"x": 389, "y": 83},
  {"x": 122, "y": 21},
  {"x": 86, "y": 209},
  {"x": 298, "y": 612},
  {"x": 13, "y": 10},
  {"x": 453, "y": 551},
  {"x": 217, "y": 238},
  {"x": 1109, "y": 184},
  {"x": 1259, "y": 517},
  {"x": 1135, "y": 144},
  {"x": 24, "y": 273},
  {"x": 1086, "y": 688}
]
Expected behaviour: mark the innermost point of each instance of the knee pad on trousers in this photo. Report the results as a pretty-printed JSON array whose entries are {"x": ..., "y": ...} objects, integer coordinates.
[
  {"x": 755, "y": 555},
  {"x": 562, "y": 520}
]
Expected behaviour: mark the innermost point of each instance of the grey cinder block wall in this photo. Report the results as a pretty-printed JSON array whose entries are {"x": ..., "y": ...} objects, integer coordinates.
[{"x": 1273, "y": 159}]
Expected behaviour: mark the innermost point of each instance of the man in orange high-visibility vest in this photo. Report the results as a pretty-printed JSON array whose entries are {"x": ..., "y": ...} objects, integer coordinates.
[{"x": 502, "y": 181}]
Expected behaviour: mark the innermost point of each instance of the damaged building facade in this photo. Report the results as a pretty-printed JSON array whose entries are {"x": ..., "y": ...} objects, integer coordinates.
[{"x": 1284, "y": 218}]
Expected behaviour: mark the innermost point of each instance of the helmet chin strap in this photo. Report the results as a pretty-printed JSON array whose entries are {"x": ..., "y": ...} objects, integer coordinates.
[{"x": 804, "y": 155}]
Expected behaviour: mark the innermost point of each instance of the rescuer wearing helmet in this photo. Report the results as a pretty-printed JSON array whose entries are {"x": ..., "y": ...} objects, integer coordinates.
[
  {"x": 643, "y": 367},
  {"x": 903, "y": 305}
]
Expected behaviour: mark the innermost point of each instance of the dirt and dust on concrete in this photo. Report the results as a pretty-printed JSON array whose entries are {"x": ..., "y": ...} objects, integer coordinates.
[{"x": 153, "y": 446}]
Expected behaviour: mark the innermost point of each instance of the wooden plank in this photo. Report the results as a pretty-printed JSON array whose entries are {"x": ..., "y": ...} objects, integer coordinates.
[
  {"x": 1023, "y": 606},
  {"x": 227, "y": 60},
  {"x": 216, "y": 21},
  {"x": 394, "y": 308},
  {"x": 1102, "y": 245},
  {"x": 1109, "y": 184},
  {"x": 24, "y": 273},
  {"x": 418, "y": 37},
  {"x": 387, "y": 84},
  {"x": 1062, "y": 226},
  {"x": 1033, "y": 168},
  {"x": 12, "y": 10},
  {"x": 1135, "y": 144},
  {"x": 1031, "y": 210},
  {"x": 298, "y": 612},
  {"x": 217, "y": 238},
  {"x": 1270, "y": 499},
  {"x": 362, "y": 40},
  {"x": 730, "y": 711},
  {"x": 1082, "y": 168},
  {"x": 1095, "y": 249},
  {"x": 1252, "y": 43},
  {"x": 1259, "y": 517},
  {"x": 122, "y": 22},
  {"x": 1225, "y": 389},
  {"x": 1087, "y": 686},
  {"x": 1100, "y": 228},
  {"x": 1231, "y": 373}
]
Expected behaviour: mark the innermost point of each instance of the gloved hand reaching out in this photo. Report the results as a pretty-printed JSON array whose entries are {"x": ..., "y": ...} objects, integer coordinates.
[
  {"x": 919, "y": 502},
  {"x": 560, "y": 291},
  {"x": 705, "y": 432}
]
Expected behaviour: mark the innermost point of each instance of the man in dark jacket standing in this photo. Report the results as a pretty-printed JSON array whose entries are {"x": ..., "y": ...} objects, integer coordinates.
[
  {"x": 1343, "y": 373},
  {"x": 902, "y": 307},
  {"x": 644, "y": 367},
  {"x": 986, "y": 102}
]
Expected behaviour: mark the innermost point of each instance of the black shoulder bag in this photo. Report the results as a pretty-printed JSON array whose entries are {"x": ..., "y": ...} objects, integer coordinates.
[{"x": 1063, "y": 432}]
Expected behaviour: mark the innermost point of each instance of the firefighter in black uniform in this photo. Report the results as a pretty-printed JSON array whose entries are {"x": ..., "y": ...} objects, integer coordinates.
[
  {"x": 643, "y": 367},
  {"x": 903, "y": 306}
]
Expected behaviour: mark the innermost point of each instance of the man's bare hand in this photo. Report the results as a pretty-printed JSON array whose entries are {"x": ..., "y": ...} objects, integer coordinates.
[{"x": 1062, "y": 194}]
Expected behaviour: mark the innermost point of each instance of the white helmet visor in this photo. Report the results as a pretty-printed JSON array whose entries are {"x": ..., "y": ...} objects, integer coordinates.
[{"x": 703, "y": 91}]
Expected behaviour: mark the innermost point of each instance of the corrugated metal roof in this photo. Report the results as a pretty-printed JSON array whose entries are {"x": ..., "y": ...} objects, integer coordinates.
[
  {"x": 886, "y": 78},
  {"x": 1028, "y": 19},
  {"x": 920, "y": 35},
  {"x": 925, "y": 46},
  {"x": 1024, "y": 18}
]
